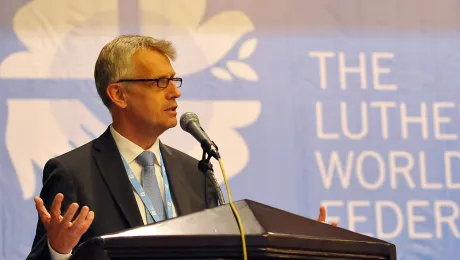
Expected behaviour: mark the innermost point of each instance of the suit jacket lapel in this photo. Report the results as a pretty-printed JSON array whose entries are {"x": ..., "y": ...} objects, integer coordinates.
[
  {"x": 111, "y": 167},
  {"x": 176, "y": 175}
]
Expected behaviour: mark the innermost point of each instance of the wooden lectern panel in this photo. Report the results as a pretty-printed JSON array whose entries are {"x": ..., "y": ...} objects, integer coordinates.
[{"x": 213, "y": 234}]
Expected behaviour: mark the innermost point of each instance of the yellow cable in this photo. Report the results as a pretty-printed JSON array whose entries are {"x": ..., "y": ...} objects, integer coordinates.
[{"x": 235, "y": 212}]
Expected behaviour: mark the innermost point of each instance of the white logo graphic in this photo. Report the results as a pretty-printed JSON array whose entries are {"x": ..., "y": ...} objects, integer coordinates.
[
  {"x": 64, "y": 37},
  {"x": 38, "y": 130},
  {"x": 57, "y": 33}
]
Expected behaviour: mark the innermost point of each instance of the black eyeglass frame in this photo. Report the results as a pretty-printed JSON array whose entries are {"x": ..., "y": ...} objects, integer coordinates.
[{"x": 175, "y": 80}]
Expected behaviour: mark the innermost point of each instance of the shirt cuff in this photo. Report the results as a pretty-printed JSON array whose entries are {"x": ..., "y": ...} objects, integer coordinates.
[{"x": 57, "y": 256}]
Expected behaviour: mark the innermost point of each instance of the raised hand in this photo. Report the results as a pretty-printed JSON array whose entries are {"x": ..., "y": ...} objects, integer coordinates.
[
  {"x": 63, "y": 234},
  {"x": 322, "y": 216}
]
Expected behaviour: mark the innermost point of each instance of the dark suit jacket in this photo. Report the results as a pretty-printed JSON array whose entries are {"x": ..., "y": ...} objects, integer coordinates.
[{"x": 94, "y": 175}]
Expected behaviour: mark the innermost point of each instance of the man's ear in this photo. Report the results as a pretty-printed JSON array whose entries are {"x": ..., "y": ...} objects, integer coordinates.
[{"x": 117, "y": 93}]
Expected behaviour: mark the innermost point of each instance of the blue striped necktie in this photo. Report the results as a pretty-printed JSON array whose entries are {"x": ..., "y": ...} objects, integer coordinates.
[{"x": 150, "y": 184}]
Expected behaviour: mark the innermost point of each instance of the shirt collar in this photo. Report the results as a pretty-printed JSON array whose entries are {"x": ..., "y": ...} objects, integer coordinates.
[{"x": 130, "y": 150}]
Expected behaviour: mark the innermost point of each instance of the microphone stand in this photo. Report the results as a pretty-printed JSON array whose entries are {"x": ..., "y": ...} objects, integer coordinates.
[{"x": 212, "y": 187}]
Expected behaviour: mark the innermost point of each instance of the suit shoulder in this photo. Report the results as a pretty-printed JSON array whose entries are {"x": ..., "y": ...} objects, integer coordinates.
[
  {"x": 181, "y": 154},
  {"x": 76, "y": 154}
]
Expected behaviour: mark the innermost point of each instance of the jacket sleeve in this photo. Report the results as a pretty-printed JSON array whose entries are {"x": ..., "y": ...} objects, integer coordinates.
[{"x": 56, "y": 179}]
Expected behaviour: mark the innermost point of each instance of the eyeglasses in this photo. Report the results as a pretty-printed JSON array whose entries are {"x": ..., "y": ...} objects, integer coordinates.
[{"x": 161, "y": 82}]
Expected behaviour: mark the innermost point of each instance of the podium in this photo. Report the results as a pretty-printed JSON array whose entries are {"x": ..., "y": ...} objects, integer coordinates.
[{"x": 214, "y": 234}]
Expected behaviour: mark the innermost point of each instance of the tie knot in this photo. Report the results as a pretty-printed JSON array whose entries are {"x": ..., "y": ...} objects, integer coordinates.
[{"x": 146, "y": 158}]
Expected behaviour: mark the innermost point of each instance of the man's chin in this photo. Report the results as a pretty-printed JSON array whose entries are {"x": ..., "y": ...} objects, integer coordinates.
[{"x": 172, "y": 122}]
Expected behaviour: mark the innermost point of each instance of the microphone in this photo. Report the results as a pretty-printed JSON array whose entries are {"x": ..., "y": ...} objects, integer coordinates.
[{"x": 190, "y": 123}]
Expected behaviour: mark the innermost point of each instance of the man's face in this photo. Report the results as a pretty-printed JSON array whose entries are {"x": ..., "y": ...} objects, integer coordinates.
[{"x": 150, "y": 107}]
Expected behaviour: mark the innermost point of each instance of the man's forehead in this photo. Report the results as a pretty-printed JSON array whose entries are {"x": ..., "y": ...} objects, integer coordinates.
[{"x": 152, "y": 62}]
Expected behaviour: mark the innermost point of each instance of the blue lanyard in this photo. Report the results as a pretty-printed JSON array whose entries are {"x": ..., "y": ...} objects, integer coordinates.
[{"x": 145, "y": 199}]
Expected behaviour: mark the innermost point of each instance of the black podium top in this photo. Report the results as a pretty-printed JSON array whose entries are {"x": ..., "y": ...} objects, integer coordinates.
[{"x": 270, "y": 234}]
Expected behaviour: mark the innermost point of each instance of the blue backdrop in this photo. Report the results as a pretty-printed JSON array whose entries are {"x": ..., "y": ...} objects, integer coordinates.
[{"x": 351, "y": 104}]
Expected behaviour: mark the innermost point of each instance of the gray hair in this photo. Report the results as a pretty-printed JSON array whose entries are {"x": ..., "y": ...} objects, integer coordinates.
[{"x": 114, "y": 60}]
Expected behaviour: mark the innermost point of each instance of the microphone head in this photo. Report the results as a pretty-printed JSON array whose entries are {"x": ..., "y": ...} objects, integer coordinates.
[{"x": 187, "y": 118}]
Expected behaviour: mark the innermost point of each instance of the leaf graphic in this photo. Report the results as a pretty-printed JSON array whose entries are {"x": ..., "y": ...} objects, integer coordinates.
[
  {"x": 221, "y": 74},
  {"x": 242, "y": 70},
  {"x": 247, "y": 48}
]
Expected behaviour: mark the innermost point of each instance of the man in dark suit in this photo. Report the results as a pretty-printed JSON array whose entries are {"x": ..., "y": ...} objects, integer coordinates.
[{"x": 137, "y": 83}]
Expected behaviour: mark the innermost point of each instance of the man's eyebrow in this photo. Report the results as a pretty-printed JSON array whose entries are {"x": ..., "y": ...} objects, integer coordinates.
[{"x": 166, "y": 75}]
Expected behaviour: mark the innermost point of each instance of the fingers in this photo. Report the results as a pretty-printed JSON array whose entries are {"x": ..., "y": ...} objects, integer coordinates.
[
  {"x": 322, "y": 214},
  {"x": 80, "y": 218},
  {"x": 42, "y": 212},
  {"x": 66, "y": 220},
  {"x": 84, "y": 220},
  {"x": 53, "y": 218},
  {"x": 55, "y": 210},
  {"x": 88, "y": 221}
]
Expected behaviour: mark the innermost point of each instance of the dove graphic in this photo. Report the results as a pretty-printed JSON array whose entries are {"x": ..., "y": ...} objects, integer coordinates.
[{"x": 62, "y": 40}]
